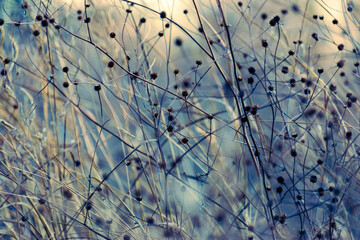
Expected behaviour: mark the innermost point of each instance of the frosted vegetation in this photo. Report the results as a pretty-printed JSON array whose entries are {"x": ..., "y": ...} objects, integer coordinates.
[{"x": 179, "y": 119}]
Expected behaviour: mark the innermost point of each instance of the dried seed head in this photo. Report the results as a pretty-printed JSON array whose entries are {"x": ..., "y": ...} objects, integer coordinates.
[
  {"x": 264, "y": 43},
  {"x": 142, "y": 20},
  {"x": 111, "y": 64},
  {"x": 178, "y": 41},
  {"x": 340, "y": 64},
  {"x": 153, "y": 75},
  {"x": 36, "y": 33},
  {"x": 112, "y": 35},
  {"x": 97, "y": 88},
  {"x": 163, "y": 14},
  {"x": 315, "y": 36}
]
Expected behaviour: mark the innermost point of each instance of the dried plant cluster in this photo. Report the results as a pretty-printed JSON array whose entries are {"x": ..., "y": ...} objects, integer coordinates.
[{"x": 211, "y": 119}]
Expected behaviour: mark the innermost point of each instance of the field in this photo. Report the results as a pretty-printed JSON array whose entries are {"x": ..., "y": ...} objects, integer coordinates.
[{"x": 187, "y": 119}]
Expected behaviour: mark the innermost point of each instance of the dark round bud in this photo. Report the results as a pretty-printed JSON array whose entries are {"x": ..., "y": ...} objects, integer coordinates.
[
  {"x": 353, "y": 98},
  {"x": 284, "y": 69},
  {"x": 315, "y": 16},
  {"x": 313, "y": 179},
  {"x": 67, "y": 194},
  {"x": 250, "y": 80},
  {"x": 170, "y": 128},
  {"x": 280, "y": 180},
  {"x": 57, "y": 27},
  {"x": 142, "y": 20},
  {"x": 87, "y": 20},
  {"x": 88, "y": 205},
  {"x": 251, "y": 70},
  {"x": 36, "y": 33},
  {"x": 41, "y": 201},
  {"x": 307, "y": 91},
  {"x": 65, "y": 69},
  {"x": 65, "y": 84},
  {"x": 315, "y": 36},
  {"x": 341, "y": 47},
  {"x": 112, "y": 35},
  {"x": 291, "y": 52},
  {"x": 348, "y": 104},
  {"x": 263, "y": 16},
  {"x": 79, "y": 12},
  {"x": 335, "y": 21},
  {"x": 184, "y": 140},
  {"x": 185, "y": 11},
  {"x": 264, "y": 43},
  {"x": 332, "y": 87},
  {"x": 163, "y": 14},
  {"x": 254, "y": 109},
  {"x": 3, "y": 72},
  {"x": 6, "y": 60},
  {"x": 38, "y": 18},
  {"x": 348, "y": 135},
  {"x": 198, "y": 62},
  {"x": 167, "y": 25},
  {"x": 153, "y": 75},
  {"x": 340, "y": 64},
  {"x": 184, "y": 93},
  {"x": 160, "y": 34},
  {"x": 284, "y": 11},
  {"x": 178, "y": 42},
  {"x": 44, "y": 23},
  {"x": 176, "y": 71},
  {"x": 321, "y": 17},
  {"x": 111, "y": 64},
  {"x": 97, "y": 88},
  {"x": 320, "y": 70},
  {"x": 272, "y": 22}
]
